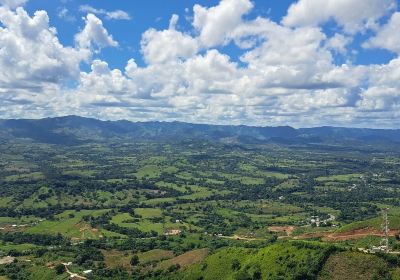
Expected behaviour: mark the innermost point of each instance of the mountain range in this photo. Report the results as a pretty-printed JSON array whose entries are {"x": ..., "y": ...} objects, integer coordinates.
[{"x": 73, "y": 130}]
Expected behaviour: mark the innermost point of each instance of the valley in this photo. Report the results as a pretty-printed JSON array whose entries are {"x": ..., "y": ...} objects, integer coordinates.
[{"x": 120, "y": 207}]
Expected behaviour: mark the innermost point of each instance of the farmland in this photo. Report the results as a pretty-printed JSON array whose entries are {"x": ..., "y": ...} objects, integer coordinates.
[{"x": 198, "y": 209}]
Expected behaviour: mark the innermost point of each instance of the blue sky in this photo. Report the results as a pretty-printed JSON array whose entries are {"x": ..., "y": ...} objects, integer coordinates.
[
  {"x": 156, "y": 14},
  {"x": 144, "y": 14},
  {"x": 300, "y": 63}
]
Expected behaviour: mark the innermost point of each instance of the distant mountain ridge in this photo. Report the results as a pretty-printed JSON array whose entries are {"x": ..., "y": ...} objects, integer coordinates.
[{"x": 72, "y": 130}]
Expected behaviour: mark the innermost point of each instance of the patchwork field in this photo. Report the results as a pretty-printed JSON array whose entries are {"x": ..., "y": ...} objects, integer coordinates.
[{"x": 126, "y": 209}]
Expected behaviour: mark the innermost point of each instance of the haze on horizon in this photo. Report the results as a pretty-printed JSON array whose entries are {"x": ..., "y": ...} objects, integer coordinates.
[{"x": 300, "y": 63}]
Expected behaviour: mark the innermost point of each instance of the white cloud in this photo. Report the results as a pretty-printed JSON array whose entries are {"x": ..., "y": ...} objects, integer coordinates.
[
  {"x": 118, "y": 14},
  {"x": 173, "y": 21},
  {"x": 216, "y": 23},
  {"x": 162, "y": 46},
  {"x": 64, "y": 13},
  {"x": 380, "y": 99},
  {"x": 94, "y": 34},
  {"x": 285, "y": 75},
  {"x": 111, "y": 15},
  {"x": 31, "y": 53},
  {"x": 289, "y": 58},
  {"x": 383, "y": 92},
  {"x": 352, "y": 15},
  {"x": 388, "y": 36},
  {"x": 103, "y": 81},
  {"x": 13, "y": 3},
  {"x": 338, "y": 43}
]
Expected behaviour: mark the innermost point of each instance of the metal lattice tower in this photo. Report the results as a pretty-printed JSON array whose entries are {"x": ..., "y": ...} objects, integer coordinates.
[{"x": 385, "y": 227}]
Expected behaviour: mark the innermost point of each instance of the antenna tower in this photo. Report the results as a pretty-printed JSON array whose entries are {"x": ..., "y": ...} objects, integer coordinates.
[{"x": 385, "y": 227}]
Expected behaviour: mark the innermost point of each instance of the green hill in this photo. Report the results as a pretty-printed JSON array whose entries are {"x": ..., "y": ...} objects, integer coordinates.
[
  {"x": 354, "y": 266},
  {"x": 375, "y": 223},
  {"x": 290, "y": 260}
]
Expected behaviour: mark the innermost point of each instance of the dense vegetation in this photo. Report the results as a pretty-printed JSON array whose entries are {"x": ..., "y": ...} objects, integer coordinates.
[{"x": 200, "y": 202}]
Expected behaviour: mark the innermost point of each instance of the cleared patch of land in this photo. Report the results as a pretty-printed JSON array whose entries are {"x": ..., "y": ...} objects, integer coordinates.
[{"x": 185, "y": 259}]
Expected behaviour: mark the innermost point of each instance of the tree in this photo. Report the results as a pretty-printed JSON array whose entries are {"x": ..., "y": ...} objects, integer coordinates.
[
  {"x": 174, "y": 267},
  {"x": 257, "y": 274},
  {"x": 60, "y": 268},
  {"x": 242, "y": 275},
  {"x": 235, "y": 264},
  {"x": 135, "y": 260}
]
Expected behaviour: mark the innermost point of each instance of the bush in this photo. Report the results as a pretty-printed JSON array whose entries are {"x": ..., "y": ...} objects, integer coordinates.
[
  {"x": 235, "y": 264},
  {"x": 60, "y": 268},
  {"x": 135, "y": 260}
]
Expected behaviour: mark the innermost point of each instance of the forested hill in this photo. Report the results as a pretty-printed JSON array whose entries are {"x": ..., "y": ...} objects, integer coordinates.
[{"x": 71, "y": 130}]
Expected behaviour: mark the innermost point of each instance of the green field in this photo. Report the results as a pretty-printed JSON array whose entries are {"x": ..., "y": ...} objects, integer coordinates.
[{"x": 197, "y": 209}]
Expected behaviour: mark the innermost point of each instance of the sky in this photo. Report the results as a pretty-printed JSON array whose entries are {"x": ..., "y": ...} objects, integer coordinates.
[{"x": 301, "y": 63}]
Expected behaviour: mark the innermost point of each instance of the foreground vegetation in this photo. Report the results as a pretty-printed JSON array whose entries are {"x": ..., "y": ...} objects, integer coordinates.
[{"x": 119, "y": 209}]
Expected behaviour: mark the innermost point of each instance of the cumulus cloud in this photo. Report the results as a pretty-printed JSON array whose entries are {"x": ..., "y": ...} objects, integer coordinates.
[
  {"x": 215, "y": 24},
  {"x": 111, "y": 15},
  {"x": 161, "y": 46},
  {"x": 13, "y": 3},
  {"x": 288, "y": 58},
  {"x": 383, "y": 92},
  {"x": 352, "y": 15},
  {"x": 338, "y": 43},
  {"x": 31, "y": 53},
  {"x": 387, "y": 36},
  {"x": 94, "y": 34},
  {"x": 286, "y": 72},
  {"x": 64, "y": 13}
]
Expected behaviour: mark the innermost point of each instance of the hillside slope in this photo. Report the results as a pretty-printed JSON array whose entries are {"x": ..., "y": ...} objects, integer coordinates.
[
  {"x": 71, "y": 130},
  {"x": 290, "y": 260}
]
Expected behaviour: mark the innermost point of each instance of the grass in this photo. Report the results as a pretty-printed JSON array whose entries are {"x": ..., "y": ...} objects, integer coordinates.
[
  {"x": 69, "y": 226},
  {"x": 154, "y": 171},
  {"x": 80, "y": 173},
  {"x": 185, "y": 259},
  {"x": 199, "y": 192},
  {"x": 17, "y": 247},
  {"x": 273, "y": 207},
  {"x": 149, "y": 171},
  {"x": 295, "y": 262},
  {"x": 396, "y": 274},
  {"x": 162, "y": 185},
  {"x": 246, "y": 180},
  {"x": 353, "y": 266},
  {"x": 217, "y": 265},
  {"x": 376, "y": 223},
  {"x": 148, "y": 212},
  {"x": 22, "y": 220},
  {"x": 107, "y": 233},
  {"x": 114, "y": 258},
  {"x": 340, "y": 178},
  {"x": 365, "y": 242},
  {"x": 278, "y": 261},
  {"x": 287, "y": 185},
  {"x": 43, "y": 273},
  {"x": 144, "y": 224},
  {"x": 156, "y": 201},
  {"x": 254, "y": 170},
  {"x": 5, "y": 201},
  {"x": 120, "y": 219},
  {"x": 34, "y": 176},
  {"x": 155, "y": 255}
]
